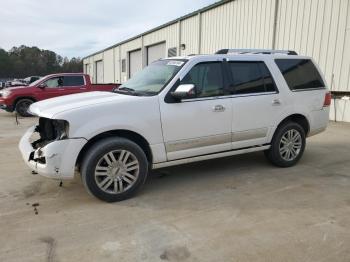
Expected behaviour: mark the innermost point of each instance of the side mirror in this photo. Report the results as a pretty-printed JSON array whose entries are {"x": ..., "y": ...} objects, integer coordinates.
[
  {"x": 42, "y": 85},
  {"x": 184, "y": 91}
]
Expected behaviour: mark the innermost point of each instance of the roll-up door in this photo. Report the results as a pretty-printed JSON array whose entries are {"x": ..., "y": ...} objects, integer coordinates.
[
  {"x": 99, "y": 72},
  {"x": 135, "y": 62},
  {"x": 155, "y": 52}
]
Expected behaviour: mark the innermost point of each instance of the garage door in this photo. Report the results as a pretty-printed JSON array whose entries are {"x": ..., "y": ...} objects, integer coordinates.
[
  {"x": 135, "y": 62},
  {"x": 99, "y": 72},
  {"x": 155, "y": 52}
]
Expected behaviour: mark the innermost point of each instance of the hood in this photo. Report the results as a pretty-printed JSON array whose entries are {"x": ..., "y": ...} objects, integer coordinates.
[{"x": 50, "y": 107}]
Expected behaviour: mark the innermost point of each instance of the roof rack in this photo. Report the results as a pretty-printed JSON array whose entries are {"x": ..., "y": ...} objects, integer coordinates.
[{"x": 256, "y": 51}]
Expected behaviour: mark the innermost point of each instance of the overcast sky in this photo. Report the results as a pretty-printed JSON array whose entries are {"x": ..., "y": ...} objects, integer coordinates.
[{"x": 81, "y": 27}]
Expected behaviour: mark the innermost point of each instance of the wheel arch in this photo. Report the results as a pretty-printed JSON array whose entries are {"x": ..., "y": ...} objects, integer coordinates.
[
  {"x": 300, "y": 119},
  {"x": 131, "y": 135},
  {"x": 22, "y": 97}
]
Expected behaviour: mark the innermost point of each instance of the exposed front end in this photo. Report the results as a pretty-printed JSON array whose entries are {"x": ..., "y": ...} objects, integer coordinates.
[{"x": 47, "y": 149}]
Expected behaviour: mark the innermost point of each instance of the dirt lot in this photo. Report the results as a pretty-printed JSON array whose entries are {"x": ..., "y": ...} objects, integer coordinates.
[{"x": 234, "y": 209}]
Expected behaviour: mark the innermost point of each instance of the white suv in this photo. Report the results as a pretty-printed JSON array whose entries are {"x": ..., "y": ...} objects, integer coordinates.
[{"x": 180, "y": 110}]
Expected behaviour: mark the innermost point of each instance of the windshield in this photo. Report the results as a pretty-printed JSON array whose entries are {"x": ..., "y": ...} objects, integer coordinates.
[
  {"x": 153, "y": 78},
  {"x": 36, "y": 82}
]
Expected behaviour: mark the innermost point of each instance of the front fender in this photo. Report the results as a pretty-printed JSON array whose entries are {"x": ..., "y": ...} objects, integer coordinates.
[{"x": 141, "y": 116}]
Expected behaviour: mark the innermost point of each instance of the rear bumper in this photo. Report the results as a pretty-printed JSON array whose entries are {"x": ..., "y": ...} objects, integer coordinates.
[
  {"x": 318, "y": 121},
  {"x": 55, "y": 160}
]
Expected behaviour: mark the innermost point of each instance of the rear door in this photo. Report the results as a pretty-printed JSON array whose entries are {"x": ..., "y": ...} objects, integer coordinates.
[{"x": 256, "y": 103}]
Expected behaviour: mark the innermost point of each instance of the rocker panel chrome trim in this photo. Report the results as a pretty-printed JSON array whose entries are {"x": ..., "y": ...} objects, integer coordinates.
[
  {"x": 210, "y": 156},
  {"x": 197, "y": 142}
]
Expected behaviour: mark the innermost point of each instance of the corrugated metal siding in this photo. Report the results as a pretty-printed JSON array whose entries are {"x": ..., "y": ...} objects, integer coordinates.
[
  {"x": 117, "y": 62},
  {"x": 238, "y": 24},
  {"x": 169, "y": 34},
  {"x": 190, "y": 35},
  {"x": 318, "y": 28}
]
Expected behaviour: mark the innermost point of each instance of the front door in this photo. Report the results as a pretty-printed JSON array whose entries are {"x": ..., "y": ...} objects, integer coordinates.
[
  {"x": 201, "y": 125},
  {"x": 53, "y": 88}
]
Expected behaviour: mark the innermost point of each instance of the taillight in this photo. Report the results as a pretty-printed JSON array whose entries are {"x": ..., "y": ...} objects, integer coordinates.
[{"x": 327, "y": 99}]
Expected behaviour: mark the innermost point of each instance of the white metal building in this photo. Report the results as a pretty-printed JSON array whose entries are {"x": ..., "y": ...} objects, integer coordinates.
[{"x": 317, "y": 28}]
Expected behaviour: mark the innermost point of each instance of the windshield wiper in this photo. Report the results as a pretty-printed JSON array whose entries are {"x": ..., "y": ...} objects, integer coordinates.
[
  {"x": 130, "y": 91},
  {"x": 126, "y": 89}
]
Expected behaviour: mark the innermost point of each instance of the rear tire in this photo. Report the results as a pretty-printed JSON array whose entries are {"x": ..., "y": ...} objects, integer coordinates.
[
  {"x": 287, "y": 146},
  {"x": 114, "y": 169},
  {"x": 22, "y": 107}
]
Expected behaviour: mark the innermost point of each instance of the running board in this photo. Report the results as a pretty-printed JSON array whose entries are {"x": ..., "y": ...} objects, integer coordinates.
[{"x": 211, "y": 156}]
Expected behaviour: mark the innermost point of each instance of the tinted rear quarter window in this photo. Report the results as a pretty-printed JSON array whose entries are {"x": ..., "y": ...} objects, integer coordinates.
[
  {"x": 73, "y": 81},
  {"x": 300, "y": 74},
  {"x": 251, "y": 77}
]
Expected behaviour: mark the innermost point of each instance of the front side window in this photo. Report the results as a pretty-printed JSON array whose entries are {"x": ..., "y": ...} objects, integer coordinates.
[
  {"x": 250, "y": 77},
  {"x": 152, "y": 79},
  {"x": 300, "y": 73},
  {"x": 73, "y": 81},
  {"x": 54, "y": 82},
  {"x": 207, "y": 79}
]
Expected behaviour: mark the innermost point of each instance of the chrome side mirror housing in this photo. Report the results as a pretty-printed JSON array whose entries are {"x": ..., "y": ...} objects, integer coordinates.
[{"x": 184, "y": 91}]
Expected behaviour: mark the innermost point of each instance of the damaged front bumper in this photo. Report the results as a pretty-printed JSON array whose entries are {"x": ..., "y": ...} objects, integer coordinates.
[{"x": 57, "y": 159}]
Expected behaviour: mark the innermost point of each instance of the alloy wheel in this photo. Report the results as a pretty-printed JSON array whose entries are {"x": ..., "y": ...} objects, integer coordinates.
[
  {"x": 117, "y": 171},
  {"x": 290, "y": 145}
]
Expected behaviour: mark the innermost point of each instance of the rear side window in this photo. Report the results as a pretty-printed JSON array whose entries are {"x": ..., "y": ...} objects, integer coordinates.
[
  {"x": 73, "y": 81},
  {"x": 250, "y": 77},
  {"x": 300, "y": 73}
]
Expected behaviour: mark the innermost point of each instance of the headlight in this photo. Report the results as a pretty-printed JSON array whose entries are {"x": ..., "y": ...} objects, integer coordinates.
[{"x": 5, "y": 93}]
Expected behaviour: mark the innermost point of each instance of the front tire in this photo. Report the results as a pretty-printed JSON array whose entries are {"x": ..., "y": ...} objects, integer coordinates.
[
  {"x": 114, "y": 169},
  {"x": 287, "y": 146},
  {"x": 22, "y": 107}
]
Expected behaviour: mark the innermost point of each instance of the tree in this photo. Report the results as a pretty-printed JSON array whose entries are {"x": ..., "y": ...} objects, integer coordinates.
[
  {"x": 25, "y": 61},
  {"x": 5, "y": 63}
]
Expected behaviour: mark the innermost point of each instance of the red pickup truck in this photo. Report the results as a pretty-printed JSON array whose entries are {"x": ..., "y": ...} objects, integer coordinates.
[{"x": 21, "y": 97}]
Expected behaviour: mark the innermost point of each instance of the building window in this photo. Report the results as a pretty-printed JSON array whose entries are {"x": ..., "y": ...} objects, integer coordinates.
[
  {"x": 123, "y": 65},
  {"x": 172, "y": 52}
]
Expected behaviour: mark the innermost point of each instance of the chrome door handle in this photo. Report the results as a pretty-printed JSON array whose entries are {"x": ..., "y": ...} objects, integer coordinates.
[
  {"x": 276, "y": 102},
  {"x": 218, "y": 108}
]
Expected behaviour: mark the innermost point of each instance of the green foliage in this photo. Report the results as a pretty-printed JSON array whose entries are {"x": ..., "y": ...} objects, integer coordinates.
[{"x": 26, "y": 61}]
